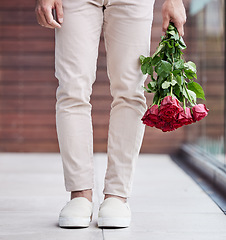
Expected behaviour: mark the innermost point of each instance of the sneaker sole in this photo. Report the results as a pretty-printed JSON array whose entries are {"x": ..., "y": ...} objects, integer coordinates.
[
  {"x": 113, "y": 222},
  {"x": 74, "y": 222}
]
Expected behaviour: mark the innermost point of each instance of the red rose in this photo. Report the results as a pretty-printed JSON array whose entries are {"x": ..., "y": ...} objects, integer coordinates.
[
  {"x": 169, "y": 109},
  {"x": 169, "y": 100},
  {"x": 185, "y": 117},
  {"x": 150, "y": 117},
  {"x": 181, "y": 119},
  {"x": 177, "y": 124},
  {"x": 160, "y": 124},
  {"x": 168, "y": 126},
  {"x": 199, "y": 112}
]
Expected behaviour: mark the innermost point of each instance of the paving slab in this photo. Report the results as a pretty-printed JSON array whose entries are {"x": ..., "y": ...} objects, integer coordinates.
[{"x": 165, "y": 202}]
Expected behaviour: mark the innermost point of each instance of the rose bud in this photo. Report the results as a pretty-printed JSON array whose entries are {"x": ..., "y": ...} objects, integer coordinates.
[
  {"x": 150, "y": 117},
  {"x": 185, "y": 117},
  {"x": 170, "y": 107},
  {"x": 199, "y": 112}
]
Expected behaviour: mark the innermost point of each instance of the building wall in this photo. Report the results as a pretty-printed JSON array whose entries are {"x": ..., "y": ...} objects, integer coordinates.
[{"x": 28, "y": 85}]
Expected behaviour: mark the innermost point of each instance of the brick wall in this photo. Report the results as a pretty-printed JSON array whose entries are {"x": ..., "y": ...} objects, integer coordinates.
[{"x": 28, "y": 85}]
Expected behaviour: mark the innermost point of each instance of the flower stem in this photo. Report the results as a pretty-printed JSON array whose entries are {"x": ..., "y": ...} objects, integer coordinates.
[
  {"x": 184, "y": 105},
  {"x": 171, "y": 90},
  {"x": 189, "y": 99},
  {"x": 158, "y": 101}
]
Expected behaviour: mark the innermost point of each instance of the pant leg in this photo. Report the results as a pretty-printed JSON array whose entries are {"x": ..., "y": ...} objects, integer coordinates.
[
  {"x": 76, "y": 53},
  {"x": 127, "y": 31}
]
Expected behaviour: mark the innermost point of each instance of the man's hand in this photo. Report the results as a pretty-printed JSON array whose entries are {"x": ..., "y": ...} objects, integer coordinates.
[
  {"x": 44, "y": 13},
  {"x": 174, "y": 11}
]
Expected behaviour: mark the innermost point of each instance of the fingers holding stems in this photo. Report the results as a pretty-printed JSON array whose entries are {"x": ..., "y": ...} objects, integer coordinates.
[
  {"x": 44, "y": 13},
  {"x": 174, "y": 11}
]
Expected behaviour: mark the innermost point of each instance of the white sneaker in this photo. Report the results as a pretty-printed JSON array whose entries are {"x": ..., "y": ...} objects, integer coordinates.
[
  {"x": 113, "y": 212},
  {"x": 76, "y": 213}
]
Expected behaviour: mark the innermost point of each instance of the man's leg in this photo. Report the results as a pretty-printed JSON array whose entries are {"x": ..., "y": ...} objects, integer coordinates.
[
  {"x": 76, "y": 54},
  {"x": 127, "y": 29}
]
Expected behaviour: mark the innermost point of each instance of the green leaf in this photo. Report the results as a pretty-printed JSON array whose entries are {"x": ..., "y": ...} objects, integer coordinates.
[
  {"x": 182, "y": 47},
  {"x": 176, "y": 36},
  {"x": 169, "y": 57},
  {"x": 178, "y": 79},
  {"x": 173, "y": 83},
  {"x": 145, "y": 61},
  {"x": 155, "y": 60},
  {"x": 168, "y": 43},
  {"x": 152, "y": 86},
  {"x": 142, "y": 59},
  {"x": 195, "y": 87},
  {"x": 144, "y": 68},
  {"x": 182, "y": 43},
  {"x": 190, "y": 66},
  {"x": 179, "y": 64},
  {"x": 166, "y": 66},
  {"x": 190, "y": 95},
  {"x": 160, "y": 80},
  {"x": 171, "y": 27},
  {"x": 171, "y": 32},
  {"x": 166, "y": 85},
  {"x": 150, "y": 70},
  {"x": 147, "y": 90},
  {"x": 160, "y": 47},
  {"x": 176, "y": 72},
  {"x": 163, "y": 69},
  {"x": 190, "y": 74}
]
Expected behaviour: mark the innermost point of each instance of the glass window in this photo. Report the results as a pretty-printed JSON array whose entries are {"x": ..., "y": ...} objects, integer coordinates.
[{"x": 205, "y": 41}]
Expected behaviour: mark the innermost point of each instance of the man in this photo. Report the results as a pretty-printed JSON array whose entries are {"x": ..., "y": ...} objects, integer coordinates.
[{"x": 127, "y": 30}]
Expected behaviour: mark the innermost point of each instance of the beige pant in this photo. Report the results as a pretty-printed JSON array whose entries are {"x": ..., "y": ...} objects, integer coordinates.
[{"x": 127, "y": 30}]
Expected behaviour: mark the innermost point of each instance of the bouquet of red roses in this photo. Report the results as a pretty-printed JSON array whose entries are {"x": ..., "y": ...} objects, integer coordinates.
[{"x": 173, "y": 85}]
